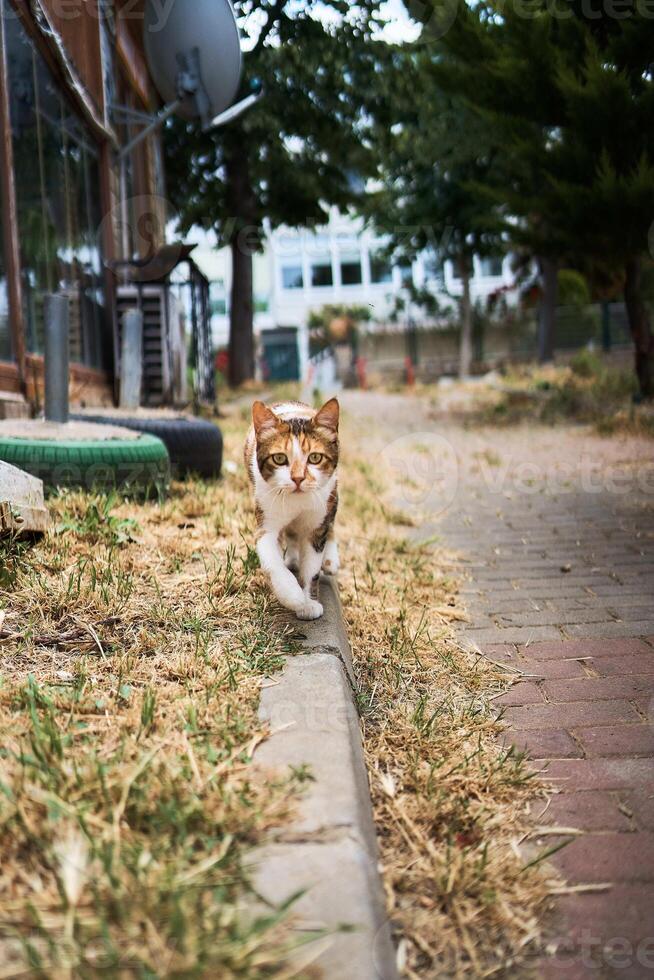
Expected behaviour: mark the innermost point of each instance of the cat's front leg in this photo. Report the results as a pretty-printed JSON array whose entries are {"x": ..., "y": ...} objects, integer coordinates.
[
  {"x": 310, "y": 565},
  {"x": 330, "y": 561},
  {"x": 283, "y": 583}
]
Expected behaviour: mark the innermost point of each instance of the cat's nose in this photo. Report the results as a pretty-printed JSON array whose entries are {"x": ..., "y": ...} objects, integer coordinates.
[{"x": 298, "y": 480}]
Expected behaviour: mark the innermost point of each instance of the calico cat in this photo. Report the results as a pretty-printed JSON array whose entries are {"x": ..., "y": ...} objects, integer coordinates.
[{"x": 291, "y": 455}]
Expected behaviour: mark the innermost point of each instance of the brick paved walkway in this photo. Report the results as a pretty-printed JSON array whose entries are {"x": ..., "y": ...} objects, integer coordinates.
[
  {"x": 561, "y": 586},
  {"x": 555, "y": 529}
]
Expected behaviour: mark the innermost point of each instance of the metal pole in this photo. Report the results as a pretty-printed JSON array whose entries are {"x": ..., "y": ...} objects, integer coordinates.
[
  {"x": 55, "y": 309},
  {"x": 154, "y": 124},
  {"x": 131, "y": 360},
  {"x": 606, "y": 326}
]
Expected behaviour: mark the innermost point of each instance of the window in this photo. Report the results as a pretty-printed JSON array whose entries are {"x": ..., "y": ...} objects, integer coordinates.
[
  {"x": 351, "y": 273},
  {"x": 58, "y": 205},
  {"x": 406, "y": 273},
  {"x": 217, "y": 298},
  {"x": 292, "y": 277},
  {"x": 380, "y": 269},
  {"x": 491, "y": 265},
  {"x": 433, "y": 265},
  {"x": 321, "y": 274}
]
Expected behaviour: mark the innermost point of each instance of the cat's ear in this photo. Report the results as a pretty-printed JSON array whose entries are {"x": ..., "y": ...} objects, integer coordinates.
[
  {"x": 263, "y": 418},
  {"x": 327, "y": 416}
]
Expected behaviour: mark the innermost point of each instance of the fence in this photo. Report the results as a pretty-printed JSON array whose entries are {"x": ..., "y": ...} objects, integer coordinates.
[{"x": 435, "y": 349}]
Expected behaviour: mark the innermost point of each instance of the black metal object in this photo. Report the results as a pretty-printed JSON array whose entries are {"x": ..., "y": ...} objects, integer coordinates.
[{"x": 158, "y": 270}]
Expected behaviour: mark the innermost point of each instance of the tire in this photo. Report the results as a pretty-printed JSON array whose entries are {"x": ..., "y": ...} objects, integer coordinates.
[
  {"x": 134, "y": 467},
  {"x": 195, "y": 446}
]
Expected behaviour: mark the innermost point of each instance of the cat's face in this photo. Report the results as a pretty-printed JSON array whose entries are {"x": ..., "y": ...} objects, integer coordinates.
[{"x": 296, "y": 455}]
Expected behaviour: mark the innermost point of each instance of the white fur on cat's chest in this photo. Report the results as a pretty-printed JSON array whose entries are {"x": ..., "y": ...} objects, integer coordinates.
[{"x": 305, "y": 511}]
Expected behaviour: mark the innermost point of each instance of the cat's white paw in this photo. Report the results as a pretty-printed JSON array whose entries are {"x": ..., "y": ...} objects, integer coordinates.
[
  {"x": 330, "y": 562},
  {"x": 310, "y": 609}
]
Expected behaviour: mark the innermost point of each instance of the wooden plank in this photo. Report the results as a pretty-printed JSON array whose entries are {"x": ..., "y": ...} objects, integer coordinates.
[
  {"x": 132, "y": 61},
  {"x": 78, "y": 25}
]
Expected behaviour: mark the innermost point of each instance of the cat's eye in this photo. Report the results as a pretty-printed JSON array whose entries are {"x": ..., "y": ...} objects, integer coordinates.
[
  {"x": 279, "y": 459},
  {"x": 315, "y": 458}
]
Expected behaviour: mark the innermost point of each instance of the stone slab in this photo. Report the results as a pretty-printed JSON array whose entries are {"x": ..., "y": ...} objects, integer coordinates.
[
  {"x": 329, "y": 849},
  {"x": 22, "y": 506}
]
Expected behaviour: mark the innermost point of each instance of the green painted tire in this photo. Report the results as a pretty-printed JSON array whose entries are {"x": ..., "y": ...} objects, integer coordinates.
[{"x": 135, "y": 467}]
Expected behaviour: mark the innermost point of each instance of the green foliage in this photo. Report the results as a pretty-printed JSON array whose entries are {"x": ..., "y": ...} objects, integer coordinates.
[
  {"x": 302, "y": 148},
  {"x": 336, "y": 323},
  {"x": 590, "y": 390},
  {"x": 434, "y": 164},
  {"x": 570, "y": 97},
  {"x": 573, "y": 288},
  {"x": 96, "y": 522},
  {"x": 587, "y": 364}
]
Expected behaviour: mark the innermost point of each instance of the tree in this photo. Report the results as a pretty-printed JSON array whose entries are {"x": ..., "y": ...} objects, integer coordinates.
[
  {"x": 570, "y": 91},
  {"x": 433, "y": 160},
  {"x": 291, "y": 156}
]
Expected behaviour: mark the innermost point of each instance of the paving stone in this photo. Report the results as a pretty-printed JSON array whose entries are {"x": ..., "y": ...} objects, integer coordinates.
[
  {"x": 571, "y": 714},
  {"x": 609, "y": 630},
  {"x": 641, "y": 804},
  {"x": 608, "y": 857},
  {"x": 524, "y": 692},
  {"x": 551, "y": 669},
  {"x": 638, "y": 663},
  {"x": 546, "y": 743},
  {"x": 622, "y": 740},
  {"x": 609, "y": 774},
  {"x": 502, "y": 652},
  {"x": 592, "y": 923},
  {"x": 586, "y": 648},
  {"x": 631, "y": 614},
  {"x": 565, "y": 604},
  {"x": 525, "y": 635},
  {"x": 590, "y": 810},
  {"x": 507, "y": 607},
  {"x": 549, "y": 617},
  {"x": 600, "y": 688},
  {"x": 561, "y": 966},
  {"x": 629, "y": 601},
  {"x": 596, "y": 669}
]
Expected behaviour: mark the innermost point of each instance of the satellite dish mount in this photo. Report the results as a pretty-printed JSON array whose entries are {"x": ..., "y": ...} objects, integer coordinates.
[
  {"x": 190, "y": 86},
  {"x": 195, "y": 60}
]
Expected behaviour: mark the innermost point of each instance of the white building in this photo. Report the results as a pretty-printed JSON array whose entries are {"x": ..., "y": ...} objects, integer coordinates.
[{"x": 343, "y": 262}]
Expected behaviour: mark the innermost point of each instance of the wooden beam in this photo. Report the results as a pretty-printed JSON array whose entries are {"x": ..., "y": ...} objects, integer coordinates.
[{"x": 10, "y": 217}]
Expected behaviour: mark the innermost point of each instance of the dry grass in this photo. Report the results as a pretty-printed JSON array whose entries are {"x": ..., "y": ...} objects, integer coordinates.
[
  {"x": 132, "y": 648},
  {"x": 133, "y": 642},
  {"x": 451, "y": 804}
]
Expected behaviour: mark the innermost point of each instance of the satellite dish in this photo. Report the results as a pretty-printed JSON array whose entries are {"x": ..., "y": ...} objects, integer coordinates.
[{"x": 194, "y": 54}]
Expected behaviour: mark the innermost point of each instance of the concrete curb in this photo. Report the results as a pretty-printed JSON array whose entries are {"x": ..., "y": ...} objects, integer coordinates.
[{"x": 330, "y": 849}]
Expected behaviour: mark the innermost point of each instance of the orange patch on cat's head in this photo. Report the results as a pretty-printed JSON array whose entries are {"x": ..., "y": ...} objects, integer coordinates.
[{"x": 297, "y": 438}]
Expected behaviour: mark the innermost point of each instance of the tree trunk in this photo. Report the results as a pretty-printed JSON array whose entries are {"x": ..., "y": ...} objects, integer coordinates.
[
  {"x": 242, "y": 206},
  {"x": 465, "y": 344},
  {"x": 547, "y": 317},
  {"x": 241, "y": 318},
  {"x": 640, "y": 327}
]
